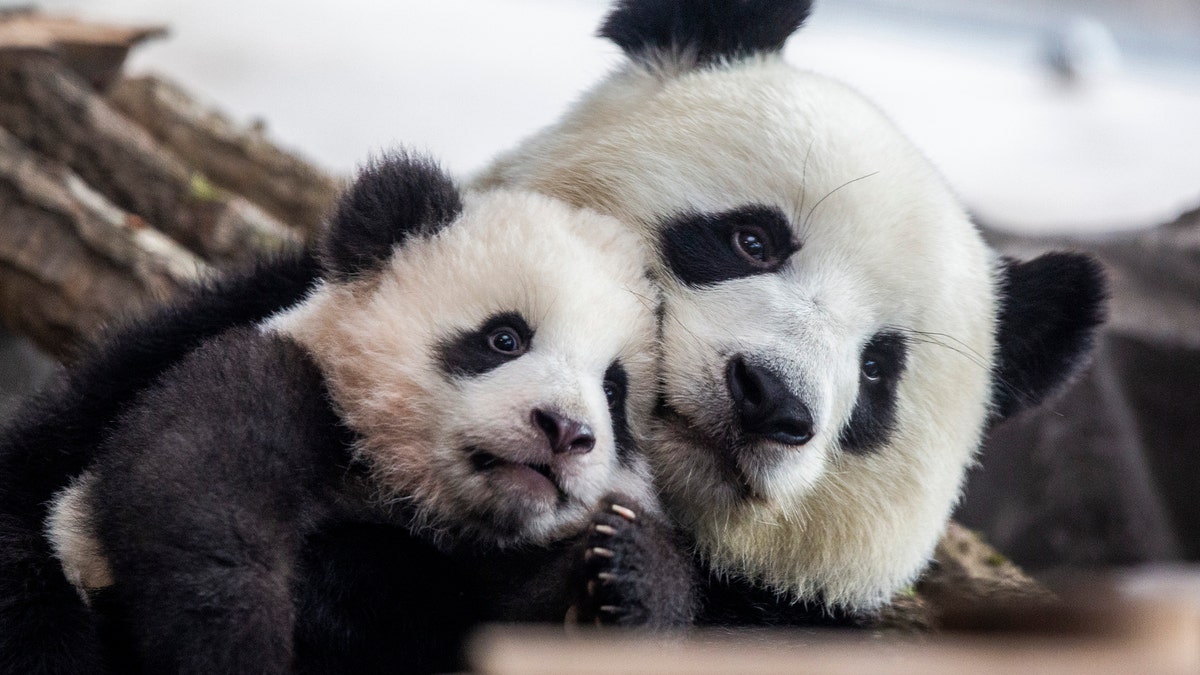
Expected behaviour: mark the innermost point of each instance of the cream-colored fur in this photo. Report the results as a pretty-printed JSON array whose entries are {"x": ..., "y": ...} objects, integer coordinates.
[
  {"x": 579, "y": 280},
  {"x": 885, "y": 245},
  {"x": 70, "y": 529}
]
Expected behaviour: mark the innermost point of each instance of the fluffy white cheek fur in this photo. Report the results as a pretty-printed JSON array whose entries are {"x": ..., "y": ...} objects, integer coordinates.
[{"x": 773, "y": 316}]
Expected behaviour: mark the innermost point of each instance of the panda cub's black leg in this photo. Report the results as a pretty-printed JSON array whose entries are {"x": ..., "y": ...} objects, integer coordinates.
[{"x": 634, "y": 570}]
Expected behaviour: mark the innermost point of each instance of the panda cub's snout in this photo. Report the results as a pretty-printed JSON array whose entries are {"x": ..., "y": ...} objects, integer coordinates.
[
  {"x": 565, "y": 435},
  {"x": 764, "y": 406}
]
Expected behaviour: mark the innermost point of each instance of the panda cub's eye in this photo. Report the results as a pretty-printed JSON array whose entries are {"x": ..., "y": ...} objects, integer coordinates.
[
  {"x": 506, "y": 341},
  {"x": 754, "y": 246}
]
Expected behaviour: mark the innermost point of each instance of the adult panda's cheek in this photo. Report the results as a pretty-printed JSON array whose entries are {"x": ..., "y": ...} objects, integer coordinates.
[{"x": 796, "y": 476}]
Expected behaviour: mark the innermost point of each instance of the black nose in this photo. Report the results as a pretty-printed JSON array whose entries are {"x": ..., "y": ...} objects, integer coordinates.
[
  {"x": 765, "y": 406},
  {"x": 565, "y": 434}
]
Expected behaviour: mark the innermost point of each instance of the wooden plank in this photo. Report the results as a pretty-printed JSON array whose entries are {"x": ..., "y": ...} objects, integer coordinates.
[{"x": 1119, "y": 637}]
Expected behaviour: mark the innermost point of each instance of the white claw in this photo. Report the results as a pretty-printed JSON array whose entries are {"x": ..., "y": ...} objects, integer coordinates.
[
  {"x": 598, "y": 551},
  {"x": 610, "y": 609},
  {"x": 606, "y": 577},
  {"x": 625, "y": 513},
  {"x": 606, "y": 529}
]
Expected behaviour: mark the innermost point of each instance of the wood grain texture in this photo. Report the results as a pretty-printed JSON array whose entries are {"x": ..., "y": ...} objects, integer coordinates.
[
  {"x": 55, "y": 113},
  {"x": 70, "y": 261}
]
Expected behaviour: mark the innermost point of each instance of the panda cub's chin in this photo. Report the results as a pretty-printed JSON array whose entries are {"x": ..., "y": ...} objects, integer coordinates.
[{"x": 533, "y": 482}]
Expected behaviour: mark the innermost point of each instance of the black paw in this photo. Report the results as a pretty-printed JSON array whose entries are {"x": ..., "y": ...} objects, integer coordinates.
[{"x": 634, "y": 572}]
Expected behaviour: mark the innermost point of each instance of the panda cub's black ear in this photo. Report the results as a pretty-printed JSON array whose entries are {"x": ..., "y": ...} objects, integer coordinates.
[
  {"x": 1050, "y": 312},
  {"x": 704, "y": 30},
  {"x": 395, "y": 197}
]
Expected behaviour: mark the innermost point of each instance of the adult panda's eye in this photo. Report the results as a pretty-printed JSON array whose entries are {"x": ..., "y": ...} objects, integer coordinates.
[
  {"x": 615, "y": 381},
  {"x": 871, "y": 370},
  {"x": 754, "y": 246},
  {"x": 506, "y": 341},
  {"x": 612, "y": 392}
]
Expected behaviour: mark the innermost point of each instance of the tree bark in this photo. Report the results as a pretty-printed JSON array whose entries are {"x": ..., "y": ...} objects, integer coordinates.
[
  {"x": 56, "y": 114},
  {"x": 238, "y": 159},
  {"x": 71, "y": 261}
]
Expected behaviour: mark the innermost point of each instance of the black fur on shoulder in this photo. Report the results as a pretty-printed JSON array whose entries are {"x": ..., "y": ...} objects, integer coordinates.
[
  {"x": 1050, "y": 310},
  {"x": 44, "y": 627},
  {"x": 202, "y": 499},
  {"x": 396, "y": 196},
  {"x": 706, "y": 30}
]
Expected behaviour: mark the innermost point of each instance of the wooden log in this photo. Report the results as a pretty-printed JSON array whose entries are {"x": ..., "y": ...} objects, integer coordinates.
[
  {"x": 240, "y": 159},
  {"x": 95, "y": 51},
  {"x": 55, "y": 113},
  {"x": 71, "y": 261}
]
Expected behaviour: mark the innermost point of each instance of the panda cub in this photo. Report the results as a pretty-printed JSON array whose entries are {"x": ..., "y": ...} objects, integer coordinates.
[
  {"x": 836, "y": 335},
  {"x": 452, "y": 379}
]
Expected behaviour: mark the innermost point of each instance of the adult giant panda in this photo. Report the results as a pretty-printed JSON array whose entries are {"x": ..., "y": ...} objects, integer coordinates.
[
  {"x": 449, "y": 378},
  {"x": 836, "y": 335}
]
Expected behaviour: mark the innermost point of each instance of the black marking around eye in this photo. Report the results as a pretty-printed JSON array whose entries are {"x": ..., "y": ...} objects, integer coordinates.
[
  {"x": 616, "y": 381},
  {"x": 874, "y": 414},
  {"x": 699, "y": 247},
  {"x": 468, "y": 354}
]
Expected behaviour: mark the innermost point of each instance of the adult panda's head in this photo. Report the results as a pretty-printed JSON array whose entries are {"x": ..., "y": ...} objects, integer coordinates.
[
  {"x": 493, "y": 352},
  {"x": 836, "y": 335}
]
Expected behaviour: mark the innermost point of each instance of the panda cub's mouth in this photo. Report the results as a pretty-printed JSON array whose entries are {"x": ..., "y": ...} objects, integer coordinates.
[{"x": 534, "y": 479}]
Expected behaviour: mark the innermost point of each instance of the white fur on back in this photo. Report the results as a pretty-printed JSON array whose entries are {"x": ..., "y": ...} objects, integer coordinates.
[
  {"x": 70, "y": 528},
  {"x": 885, "y": 246}
]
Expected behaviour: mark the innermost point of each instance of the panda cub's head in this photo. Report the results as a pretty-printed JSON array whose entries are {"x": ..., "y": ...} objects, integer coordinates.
[
  {"x": 835, "y": 333},
  {"x": 492, "y": 352}
]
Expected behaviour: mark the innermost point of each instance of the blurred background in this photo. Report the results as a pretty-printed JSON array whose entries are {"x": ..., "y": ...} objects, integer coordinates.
[
  {"x": 1044, "y": 114},
  {"x": 1060, "y": 123}
]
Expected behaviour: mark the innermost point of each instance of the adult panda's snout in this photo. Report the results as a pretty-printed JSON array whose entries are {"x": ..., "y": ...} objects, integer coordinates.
[{"x": 765, "y": 406}]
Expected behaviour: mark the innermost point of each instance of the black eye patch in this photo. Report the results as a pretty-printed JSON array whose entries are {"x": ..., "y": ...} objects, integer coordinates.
[
  {"x": 500, "y": 339},
  {"x": 616, "y": 383},
  {"x": 703, "y": 249},
  {"x": 880, "y": 367}
]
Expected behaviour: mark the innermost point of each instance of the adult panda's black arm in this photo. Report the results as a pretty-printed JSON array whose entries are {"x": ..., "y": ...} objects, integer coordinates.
[
  {"x": 732, "y": 601},
  {"x": 203, "y": 498},
  {"x": 44, "y": 627}
]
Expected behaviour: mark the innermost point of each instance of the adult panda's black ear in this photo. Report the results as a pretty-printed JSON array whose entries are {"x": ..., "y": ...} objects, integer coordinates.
[
  {"x": 702, "y": 31},
  {"x": 394, "y": 197},
  {"x": 1051, "y": 309}
]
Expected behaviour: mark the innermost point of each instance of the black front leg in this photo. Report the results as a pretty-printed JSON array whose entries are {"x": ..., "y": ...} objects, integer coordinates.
[
  {"x": 205, "y": 498},
  {"x": 634, "y": 570}
]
